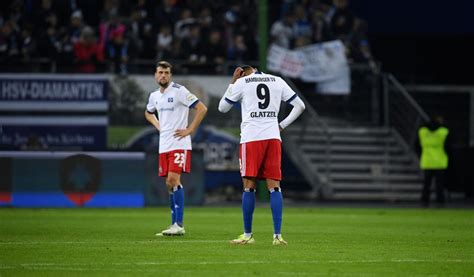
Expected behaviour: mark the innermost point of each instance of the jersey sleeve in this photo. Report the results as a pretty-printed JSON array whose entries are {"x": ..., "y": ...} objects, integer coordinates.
[
  {"x": 187, "y": 98},
  {"x": 234, "y": 93},
  {"x": 150, "y": 107},
  {"x": 288, "y": 94}
]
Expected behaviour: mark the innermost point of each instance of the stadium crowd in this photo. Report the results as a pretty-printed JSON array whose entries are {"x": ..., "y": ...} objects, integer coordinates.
[{"x": 111, "y": 35}]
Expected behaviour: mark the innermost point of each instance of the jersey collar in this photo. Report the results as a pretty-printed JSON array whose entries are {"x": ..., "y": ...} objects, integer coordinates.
[{"x": 167, "y": 88}]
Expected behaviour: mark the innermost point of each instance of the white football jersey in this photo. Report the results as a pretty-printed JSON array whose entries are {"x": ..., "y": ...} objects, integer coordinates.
[
  {"x": 260, "y": 96},
  {"x": 173, "y": 109}
]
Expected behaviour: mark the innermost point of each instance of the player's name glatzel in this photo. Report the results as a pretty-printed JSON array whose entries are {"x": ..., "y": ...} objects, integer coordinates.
[{"x": 263, "y": 114}]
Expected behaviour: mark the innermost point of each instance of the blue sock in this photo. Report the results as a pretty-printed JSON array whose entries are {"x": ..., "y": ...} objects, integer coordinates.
[
  {"x": 173, "y": 212},
  {"x": 179, "y": 204},
  {"x": 248, "y": 205},
  {"x": 276, "y": 203}
]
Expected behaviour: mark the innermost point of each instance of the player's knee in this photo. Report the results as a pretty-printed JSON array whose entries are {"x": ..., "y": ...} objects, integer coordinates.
[
  {"x": 249, "y": 183},
  {"x": 272, "y": 184}
]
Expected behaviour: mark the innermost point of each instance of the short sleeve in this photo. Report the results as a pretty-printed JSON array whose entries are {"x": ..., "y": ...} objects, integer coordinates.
[
  {"x": 150, "y": 107},
  {"x": 288, "y": 94},
  {"x": 234, "y": 94},
  {"x": 187, "y": 98}
]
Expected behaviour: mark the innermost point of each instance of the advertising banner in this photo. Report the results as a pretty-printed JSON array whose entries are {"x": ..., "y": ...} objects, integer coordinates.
[
  {"x": 72, "y": 179},
  {"x": 45, "y": 111}
]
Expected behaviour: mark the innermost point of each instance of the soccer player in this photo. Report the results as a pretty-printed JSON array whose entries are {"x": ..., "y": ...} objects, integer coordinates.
[
  {"x": 172, "y": 102},
  {"x": 260, "y": 96}
]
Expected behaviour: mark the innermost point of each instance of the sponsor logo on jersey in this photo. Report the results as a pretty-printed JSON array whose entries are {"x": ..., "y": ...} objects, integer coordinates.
[{"x": 263, "y": 114}]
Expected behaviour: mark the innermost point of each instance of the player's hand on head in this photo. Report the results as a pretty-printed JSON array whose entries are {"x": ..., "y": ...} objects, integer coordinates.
[{"x": 238, "y": 72}]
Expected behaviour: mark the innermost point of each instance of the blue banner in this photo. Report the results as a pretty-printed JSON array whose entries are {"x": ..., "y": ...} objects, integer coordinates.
[
  {"x": 18, "y": 87},
  {"x": 43, "y": 137},
  {"x": 45, "y": 111},
  {"x": 68, "y": 179}
]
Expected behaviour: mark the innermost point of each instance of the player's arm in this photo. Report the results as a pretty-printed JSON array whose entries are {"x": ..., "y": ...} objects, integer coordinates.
[
  {"x": 226, "y": 103},
  {"x": 298, "y": 108},
  {"x": 201, "y": 111},
  {"x": 150, "y": 117},
  {"x": 150, "y": 113}
]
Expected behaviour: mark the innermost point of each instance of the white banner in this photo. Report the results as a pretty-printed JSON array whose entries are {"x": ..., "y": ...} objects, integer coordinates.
[{"x": 324, "y": 63}]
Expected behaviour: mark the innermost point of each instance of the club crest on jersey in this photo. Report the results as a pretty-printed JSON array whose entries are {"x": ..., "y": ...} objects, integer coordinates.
[{"x": 170, "y": 100}]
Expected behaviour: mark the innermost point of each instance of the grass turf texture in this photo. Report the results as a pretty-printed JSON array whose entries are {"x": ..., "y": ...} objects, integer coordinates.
[
  {"x": 119, "y": 135},
  {"x": 322, "y": 241}
]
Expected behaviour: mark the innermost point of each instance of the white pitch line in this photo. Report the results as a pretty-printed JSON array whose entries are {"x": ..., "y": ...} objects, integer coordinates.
[
  {"x": 46, "y": 265},
  {"x": 171, "y": 240}
]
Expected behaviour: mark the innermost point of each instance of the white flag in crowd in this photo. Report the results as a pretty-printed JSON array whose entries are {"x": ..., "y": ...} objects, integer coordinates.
[{"x": 324, "y": 63}]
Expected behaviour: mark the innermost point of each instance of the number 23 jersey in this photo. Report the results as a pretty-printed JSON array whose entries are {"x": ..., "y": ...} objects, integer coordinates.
[
  {"x": 173, "y": 109},
  {"x": 260, "y": 96}
]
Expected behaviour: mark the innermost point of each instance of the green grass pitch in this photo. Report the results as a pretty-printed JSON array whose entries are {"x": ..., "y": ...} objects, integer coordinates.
[{"x": 322, "y": 242}]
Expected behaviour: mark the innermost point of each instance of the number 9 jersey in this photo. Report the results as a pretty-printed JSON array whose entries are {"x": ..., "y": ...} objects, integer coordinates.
[{"x": 260, "y": 96}]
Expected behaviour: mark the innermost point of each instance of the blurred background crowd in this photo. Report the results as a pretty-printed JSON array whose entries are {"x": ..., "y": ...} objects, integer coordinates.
[{"x": 119, "y": 35}]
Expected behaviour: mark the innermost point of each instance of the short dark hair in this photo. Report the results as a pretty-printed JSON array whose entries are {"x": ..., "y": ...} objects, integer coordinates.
[
  {"x": 164, "y": 64},
  {"x": 245, "y": 67}
]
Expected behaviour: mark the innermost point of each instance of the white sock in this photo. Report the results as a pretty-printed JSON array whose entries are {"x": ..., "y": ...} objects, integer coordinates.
[
  {"x": 247, "y": 235},
  {"x": 275, "y": 236}
]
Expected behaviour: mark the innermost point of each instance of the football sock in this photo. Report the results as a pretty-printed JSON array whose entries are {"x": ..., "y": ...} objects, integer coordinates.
[
  {"x": 173, "y": 212},
  {"x": 179, "y": 204},
  {"x": 276, "y": 203},
  {"x": 248, "y": 206}
]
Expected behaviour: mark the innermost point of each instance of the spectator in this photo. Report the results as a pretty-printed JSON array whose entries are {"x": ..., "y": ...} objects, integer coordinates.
[
  {"x": 45, "y": 16},
  {"x": 118, "y": 53},
  {"x": 9, "y": 42},
  {"x": 237, "y": 51},
  {"x": 181, "y": 28},
  {"x": 65, "y": 51},
  {"x": 135, "y": 32},
  {"x": 167, "y": 13},
  {"x": 146, "y": 36},
  {"x": 28, "y": 45},
  {"x": 206, "y": 21},
  {"x": 75, "y": 26},
  {"x": 143, "y": 6},
  {"x": 149, "y": 42},
  {"x": 358, "y": 45},
  {"x": 302, "y": 26},
  {"x": 49, "y": 43},
  {"x": 282, "y": 31},
  {"x": 321, "y": 31},
  {"x": 110, "y": 9},
  {"x": 342, "y": 22},
  {"x": 108, "y": 30},
  {"x": 15, "y": 12},
  {"x": 87, "y": 52},
  {"x": 215, "y": 51},
  {"x": 164, "y": 43},
  {"x": 192, "y": 48}
]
